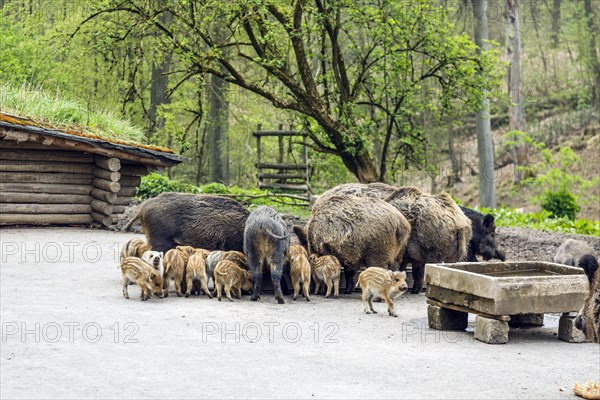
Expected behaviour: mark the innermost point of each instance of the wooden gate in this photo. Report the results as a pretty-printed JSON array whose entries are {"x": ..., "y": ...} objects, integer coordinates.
[{"x": 282, "y": 173}]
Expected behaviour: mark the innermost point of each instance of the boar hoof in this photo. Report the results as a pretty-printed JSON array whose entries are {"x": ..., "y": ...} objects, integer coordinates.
[
  {"x": 308, "y": 299},
  {"x": 335, "y": 297},
  {"x": 187, "y": 295},
  {"x": 254, "y": 297},
  {"x": 280, "y": 300}
]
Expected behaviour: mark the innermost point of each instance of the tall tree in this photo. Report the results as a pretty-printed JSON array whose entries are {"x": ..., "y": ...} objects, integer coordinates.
[
  {"x": 485, "y": 145},
  {"x": 159, "y": 84},
  {"x": 593, "y": 59},
  {"x": 555, "y": 34},
  {"x": 516, "y": 108},
  {"x": 359, "y": 93},
  {"x": 218, "y": 117}
]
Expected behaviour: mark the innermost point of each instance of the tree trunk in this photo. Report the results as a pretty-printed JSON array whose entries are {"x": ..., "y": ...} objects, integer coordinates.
[
  {"x": 218, "y": 120},
  {"x": 554, "y": 36},
  {"x": 593, "y": 52},
  {"x": 485, "y": 150},
  {"x": 516, "y": 109},
  {"x": 159, "y": 84}
]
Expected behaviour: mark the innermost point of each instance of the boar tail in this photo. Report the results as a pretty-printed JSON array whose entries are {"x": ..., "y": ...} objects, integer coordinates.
[
  {"x": 301, "y": 234},
  {"x": 276, "y": 236},
  {"x": 135, "y": 217}
]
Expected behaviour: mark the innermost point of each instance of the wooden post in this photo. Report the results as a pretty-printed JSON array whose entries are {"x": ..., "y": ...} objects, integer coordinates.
[
  {"x": 259, "y": 152},
  {"x": 305, "y": 160}
]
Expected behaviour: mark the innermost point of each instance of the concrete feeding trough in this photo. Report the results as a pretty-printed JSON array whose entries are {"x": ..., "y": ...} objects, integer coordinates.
[{"x": 499, "y": 293}]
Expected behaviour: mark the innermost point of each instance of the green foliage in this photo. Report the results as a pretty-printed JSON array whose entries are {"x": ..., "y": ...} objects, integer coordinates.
[
  {"x": 560, "y": 204},
  {"x": 154, "y": 184},
  {"x": 560, "y": 190},
  {"x": 543, "y": 220}
]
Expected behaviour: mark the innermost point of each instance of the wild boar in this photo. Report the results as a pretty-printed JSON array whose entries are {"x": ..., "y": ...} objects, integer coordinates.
[
  {"x": 201, "y": 221},
  {"x": 483, "y": 236},
  {"x": 174, "y": 261},
  {"x": 378, "y": 282},
  {"x": 440, "y": 230},
  {"x": 266, "y": 244},
  {"x": 359, "y": 232},
  {"x": 195, "y": 274},
  {"x": 588, "y": 318},
  {"x": 326, "y": 269},
  {"x": 228, "y": 275},
  {"x": 300, "y": 270},
  {"x": 135, "y": 247},
  {"x": 134, "y": 269},
  {"x": 571, "y": 251}
]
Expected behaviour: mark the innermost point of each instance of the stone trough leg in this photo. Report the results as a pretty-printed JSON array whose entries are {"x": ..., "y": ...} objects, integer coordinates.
[
  {"x": 491, "y": 331},
  {"x": 567, "y": 330},
  {"x": 445, "y": 319},
  {"x": 526, "y": 320}
]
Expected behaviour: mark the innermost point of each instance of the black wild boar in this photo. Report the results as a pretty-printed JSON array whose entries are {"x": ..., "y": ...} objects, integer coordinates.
[
  {"x": 201, "y": 221},
  {"x": 359, "y": 232},
  {"x": 483, "y": 236},
  {"x": 266, "y": 244}
]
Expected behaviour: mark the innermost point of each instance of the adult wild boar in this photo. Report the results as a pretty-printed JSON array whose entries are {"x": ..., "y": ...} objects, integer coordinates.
[
  {"x": 359, "y": 232},
  {"x": 483, "y": 236},
  {"x": 440, "y": 230},
  {"x": 201, "y": 221},
  {"x": 266, "y": 244},
  {"x": 571, "y": 251}
]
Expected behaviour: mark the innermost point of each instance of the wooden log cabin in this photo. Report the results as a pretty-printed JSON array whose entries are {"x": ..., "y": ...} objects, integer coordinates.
[{"x": 49, "y": 176}]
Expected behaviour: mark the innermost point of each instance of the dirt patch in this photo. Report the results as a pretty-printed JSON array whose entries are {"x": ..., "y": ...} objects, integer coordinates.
[{"x": 534, "y": 245}]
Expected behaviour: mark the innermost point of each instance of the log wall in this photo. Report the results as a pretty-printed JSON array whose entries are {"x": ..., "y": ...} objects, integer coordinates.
[{"x": 49, "y": 185}]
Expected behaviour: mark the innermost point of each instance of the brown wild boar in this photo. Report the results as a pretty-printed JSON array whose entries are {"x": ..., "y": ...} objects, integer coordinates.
[
  {"x": 359, "y": 232},
  {"x": 219, "y": 255},
  {"x": 136, "y": 270},
  {"x": 174, "y": 261},
  {"x": 440, "y": 231},
  {"x": 326, "y": 269},
  {"x": 227, "y": 276},
  {"x": 135, "y": 247},
  {"x": 378, "y": 282},
  {"x": 195, "y": 271},
  {"x": 299, "y": 270},
  {"x": 588, "y": 318}
]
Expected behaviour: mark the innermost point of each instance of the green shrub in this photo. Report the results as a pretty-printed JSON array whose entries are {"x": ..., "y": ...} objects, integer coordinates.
[
  {"x": 543, "y": 220},
  {"x": 154, "y": 184},
  {"x": 560, "y": 204}
]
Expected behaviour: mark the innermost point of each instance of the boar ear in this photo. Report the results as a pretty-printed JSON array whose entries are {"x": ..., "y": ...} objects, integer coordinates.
[
  {"x": 390, "y": 273},
  {"x": 489, "y": 225},
  {"x": 590, "y": 265},
  {"x": 403, "y": 273},
  {"x": 162, "y": 254}
]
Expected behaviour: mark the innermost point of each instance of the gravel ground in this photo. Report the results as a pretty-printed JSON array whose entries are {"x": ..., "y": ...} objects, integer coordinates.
[{"x": 67, "y": 332}]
